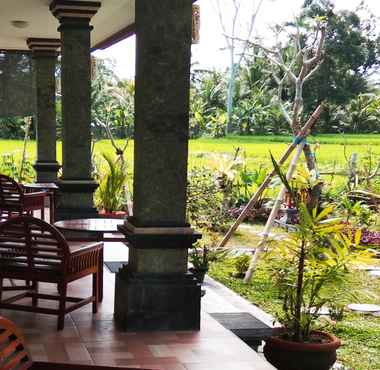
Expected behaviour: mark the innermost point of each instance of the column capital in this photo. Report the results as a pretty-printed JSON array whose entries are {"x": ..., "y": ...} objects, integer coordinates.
[
  {"x": 74, "y": 14},
  {"x": 42, "y": 47}
]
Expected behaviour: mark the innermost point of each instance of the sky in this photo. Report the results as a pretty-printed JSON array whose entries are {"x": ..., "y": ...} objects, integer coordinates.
[{"x": 211, "y": 52}]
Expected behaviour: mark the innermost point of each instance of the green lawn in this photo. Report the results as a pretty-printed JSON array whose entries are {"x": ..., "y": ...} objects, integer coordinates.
[
  {"x": 330, "y": 154},
  {"x": 359, "y": 334}
]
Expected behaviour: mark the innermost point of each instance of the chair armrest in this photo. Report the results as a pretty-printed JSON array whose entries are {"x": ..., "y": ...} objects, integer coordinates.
[
  {"x": 85, "y": 248},
  {"x": 85, "y": 257},
  {"x": 36, "y": 194},
  {"x": 34, "y": 200}
]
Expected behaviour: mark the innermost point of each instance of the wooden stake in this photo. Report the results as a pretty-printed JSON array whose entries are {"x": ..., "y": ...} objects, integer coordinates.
[
  {"x": 269, "y": 224},
  {"x": 301, "y": 135}
]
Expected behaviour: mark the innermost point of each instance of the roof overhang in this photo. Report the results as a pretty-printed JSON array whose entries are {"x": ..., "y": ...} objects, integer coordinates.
[{"x": 113, "y": 22}]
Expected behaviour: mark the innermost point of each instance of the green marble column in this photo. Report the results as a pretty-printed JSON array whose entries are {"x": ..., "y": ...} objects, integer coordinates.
[
  {"x": 155, "y": 291},
  {"x": 45, "y": 58},
  {"x": 76, "y": 184}
]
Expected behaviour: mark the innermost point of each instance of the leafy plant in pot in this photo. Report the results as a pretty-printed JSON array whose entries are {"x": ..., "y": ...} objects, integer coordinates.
[
  {"x": 309, "y": 267},
  {"x": 200, "y": 260},
  {"x": 110, "y": 193}
]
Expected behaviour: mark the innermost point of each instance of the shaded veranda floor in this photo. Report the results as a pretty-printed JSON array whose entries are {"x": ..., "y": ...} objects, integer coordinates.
[{"x": 93, "y": 339}]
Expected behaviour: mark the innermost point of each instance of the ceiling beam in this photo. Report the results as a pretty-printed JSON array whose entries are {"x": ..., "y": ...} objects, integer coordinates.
[{"x": 116, "y": 37}]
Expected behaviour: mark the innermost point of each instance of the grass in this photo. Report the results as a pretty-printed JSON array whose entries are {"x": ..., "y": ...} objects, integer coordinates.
[
  {"x": 202, "y": 151},
  {"x": 359, "y": 334}
]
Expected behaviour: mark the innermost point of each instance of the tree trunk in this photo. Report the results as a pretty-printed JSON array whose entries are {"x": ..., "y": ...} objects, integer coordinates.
[{"x": 230, "y": 98}]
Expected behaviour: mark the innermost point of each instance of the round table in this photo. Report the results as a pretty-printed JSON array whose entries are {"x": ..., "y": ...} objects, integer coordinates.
[{"x": 92, "y": 229}]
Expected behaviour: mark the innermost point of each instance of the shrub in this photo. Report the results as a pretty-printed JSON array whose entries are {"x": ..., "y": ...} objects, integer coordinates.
[
  {"x": 110, "y": 193},
  {"x": 204, "y": 201},
  {"x": 11, "y": 167}
]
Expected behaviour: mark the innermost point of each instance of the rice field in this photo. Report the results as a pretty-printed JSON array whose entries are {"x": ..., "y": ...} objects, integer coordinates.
[{"x": 332, "y": 152}]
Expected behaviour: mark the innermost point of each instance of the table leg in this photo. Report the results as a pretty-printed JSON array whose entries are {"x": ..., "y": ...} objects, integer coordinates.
[
  {"x": 100, "y": 272},
  {"x": 99, "y": 237},
  {"x": 43, "y": 212},
  {"x": 52, "y": 207}
]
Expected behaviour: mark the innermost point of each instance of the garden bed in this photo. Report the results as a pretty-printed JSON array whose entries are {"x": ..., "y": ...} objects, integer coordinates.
[{"x": 359, "y": 333}]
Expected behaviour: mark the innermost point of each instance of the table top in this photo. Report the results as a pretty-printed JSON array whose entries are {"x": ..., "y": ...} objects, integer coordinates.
[
  {"x": 41, "y": 185},
  {"x": 96, "y": 225}
]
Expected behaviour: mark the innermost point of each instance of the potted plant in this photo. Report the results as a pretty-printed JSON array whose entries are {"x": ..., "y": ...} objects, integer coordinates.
[
  {"x": 110, "y": 193},
  {"x": 309, "y": 267},
  {"x": 241, "y": 265},
  {"x": 200, "y": 260}
]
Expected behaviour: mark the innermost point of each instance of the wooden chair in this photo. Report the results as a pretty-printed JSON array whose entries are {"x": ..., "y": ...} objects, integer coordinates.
[
  {"x": 33, "y": 250},
  {"x": 14, "y": 355},
  {"x": 14, "y": 201}
]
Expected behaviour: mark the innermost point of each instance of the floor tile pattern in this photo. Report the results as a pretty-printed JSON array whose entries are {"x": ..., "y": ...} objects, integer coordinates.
[{"x": 93, "y": 339}]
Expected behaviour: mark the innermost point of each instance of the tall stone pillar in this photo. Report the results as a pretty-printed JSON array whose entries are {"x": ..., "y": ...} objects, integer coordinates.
[
  {"x": 76, "y": 185},
  {"x": 45, "y": 58},
  {"x": 155, "y": 291}
]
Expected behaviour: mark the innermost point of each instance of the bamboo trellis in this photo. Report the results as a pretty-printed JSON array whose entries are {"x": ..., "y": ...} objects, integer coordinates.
[{"x": 298, "y": 141}]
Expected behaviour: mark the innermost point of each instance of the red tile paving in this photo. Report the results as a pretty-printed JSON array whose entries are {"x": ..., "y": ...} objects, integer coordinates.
[{"x": 93, "y": 339}]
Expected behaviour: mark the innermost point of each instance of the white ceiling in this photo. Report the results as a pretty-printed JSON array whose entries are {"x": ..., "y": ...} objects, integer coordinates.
[{"x": 113, "y": 16}]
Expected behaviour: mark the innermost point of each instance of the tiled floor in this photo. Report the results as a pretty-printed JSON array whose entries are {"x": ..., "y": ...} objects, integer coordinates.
[{"x": 93, "y": 339}]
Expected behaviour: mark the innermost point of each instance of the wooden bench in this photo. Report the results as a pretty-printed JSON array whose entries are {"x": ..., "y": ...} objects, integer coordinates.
[{"x": 33, "y": 251}]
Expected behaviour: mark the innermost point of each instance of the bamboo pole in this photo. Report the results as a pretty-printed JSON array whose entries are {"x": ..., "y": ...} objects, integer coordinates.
[
  {"x": 269, "y": 224},
  {"x": 301, "y": 135}
]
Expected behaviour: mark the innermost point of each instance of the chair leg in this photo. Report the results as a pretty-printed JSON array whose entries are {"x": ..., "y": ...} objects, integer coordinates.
[
  {"x": 1, "y": 289},
  {"x": 35, "y": 290},
  {"x": 62, "y": 288},
  {"x": 95, "y": 292}
]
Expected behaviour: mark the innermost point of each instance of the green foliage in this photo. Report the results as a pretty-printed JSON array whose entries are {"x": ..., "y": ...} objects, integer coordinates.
[
  {"x": 10, "y": 166},
  {"x": 204, "y": 201},
  {"x": 351, "y": 55},
  {"x": 255, "y": 111},
  {"x": 359, "y": 333},
  {"x": 110, "y": 193},
  {"x": 356, "y": 212},
  {"x": 311, "y": 265},
  {"x": 11, "y": 128},
  {"x": 199, "y": 258},
  {"x": 241, "y": 264},
  {"x": 247, "y": 182},
  {"x": 360, "y": 115},
  {"x": 112, "y": 102},
  {"x": 207, "y": 104}
]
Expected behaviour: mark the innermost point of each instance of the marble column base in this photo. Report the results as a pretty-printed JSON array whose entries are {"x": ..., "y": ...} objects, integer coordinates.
[
  {"x": 46, "y": 170},
  {"x": 76, "y": 199},
  {"x": 156, "y": 302}
]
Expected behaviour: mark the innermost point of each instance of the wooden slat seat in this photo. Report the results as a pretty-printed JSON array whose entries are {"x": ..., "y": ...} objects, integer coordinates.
[{"x": 34, "y": 251}]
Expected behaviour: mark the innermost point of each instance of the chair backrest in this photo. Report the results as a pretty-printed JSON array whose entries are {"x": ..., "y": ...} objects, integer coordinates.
[
  {"x": 29, "y": 243},
  {"x": 12, "y": 350},
  {"x": 11, "y": 194}
]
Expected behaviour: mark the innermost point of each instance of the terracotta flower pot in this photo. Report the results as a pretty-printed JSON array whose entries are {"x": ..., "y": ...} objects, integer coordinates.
[
  {"x": 199, "y": 273},
  {"x": 288, "y": 355},
  {"x": 113, "y": 214}
]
